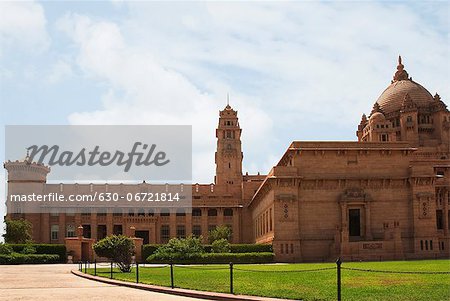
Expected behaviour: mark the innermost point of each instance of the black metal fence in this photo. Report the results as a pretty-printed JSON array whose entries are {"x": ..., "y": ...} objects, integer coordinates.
[{"x": 83, "y": 266}]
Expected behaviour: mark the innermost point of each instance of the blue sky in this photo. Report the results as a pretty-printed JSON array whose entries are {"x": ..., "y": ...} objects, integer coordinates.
[{"x": 294, "y": 70}]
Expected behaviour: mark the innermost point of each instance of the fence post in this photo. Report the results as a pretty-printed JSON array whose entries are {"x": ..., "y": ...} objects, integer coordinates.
[
  {"x": 137, "y": 272},
  {"x": 338, "y": 264},
  {"x": 80, "y": 267},
  {"x": 111, "y": 276},
  {"x": 95, "y": 267},
  {"x": 85, "y": 266},
  {"x": 231, "y": 278},
  {"x": 171, "y": 275}
]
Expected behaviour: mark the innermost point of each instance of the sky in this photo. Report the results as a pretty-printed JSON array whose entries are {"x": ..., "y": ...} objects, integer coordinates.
[{"x": 293, "y": 70}]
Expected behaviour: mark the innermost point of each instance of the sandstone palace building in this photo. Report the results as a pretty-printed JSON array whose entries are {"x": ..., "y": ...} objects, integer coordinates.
[{"x": 385, "y": 196}]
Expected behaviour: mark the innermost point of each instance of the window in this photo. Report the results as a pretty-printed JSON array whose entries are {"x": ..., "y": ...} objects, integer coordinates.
[
  {"x": 439, "y": 220},
  {"x": 180, "y": 212},
  {"x": 228, "y": 212},
  {"x": 164, "y": 212},
  {"x": 130, "y": 212},
  {"x": 151, "y": 212},
  {"x": 181, "y": 231},
  {"x": 292, "y": 248},
  {"x": 282, "y": 248},
  {"x": 70, "y": 230},
  {"x": 141, "y": 212},
  {"x": 165, "y": 233},
  {"x": 421, "y": 245},
  {"x": 212, "y": 212},
  {"x": 354, "y": 222},
  {"x": 196, "y": 212},
  {"x": 117, "y": 230},
  {"x": 117, "y": 212},
  {"x": 101, "y": 232},
  {"x": 54, "y": 232},
  {"x": 426, "y": 245},
  {"x": 431, "y": 245},
  {"x": 409, "y": 119},
  {"x": 87, "y": 231},
  {"x": 197, "y": 230}
]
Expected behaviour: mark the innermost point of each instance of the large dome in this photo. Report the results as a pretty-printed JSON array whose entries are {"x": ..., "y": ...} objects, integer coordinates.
[{"x": 392, "y": 98}]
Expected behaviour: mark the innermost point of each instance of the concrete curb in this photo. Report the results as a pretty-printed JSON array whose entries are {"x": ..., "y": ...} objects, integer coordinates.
[{"x": 177, "y": 291}]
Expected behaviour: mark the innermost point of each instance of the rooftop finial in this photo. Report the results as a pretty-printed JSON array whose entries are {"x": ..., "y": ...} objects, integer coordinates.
[
  {"x": 401, "y": 74},
  {"x": 228, "y": 102}
]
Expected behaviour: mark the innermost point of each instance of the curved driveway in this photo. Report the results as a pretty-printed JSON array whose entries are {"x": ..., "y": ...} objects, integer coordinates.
[{"x": 55, "y": 282}]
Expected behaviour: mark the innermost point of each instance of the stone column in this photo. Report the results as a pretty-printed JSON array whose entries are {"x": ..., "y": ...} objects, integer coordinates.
[
  {"x": 205, "y": 224},
  {"x": 445, "y": 213},
  {"x": 173, "y": 224},
  {"x": 94, "y": 225},
  {"x": 236, "y": 233},
  {"x": 220, "y": 216},
  {"x": 62, "y": 227},
  {"x": 109, "y": 222},
  {"x": 188, "y": 224},
  {"x": 368, "y": 233}
]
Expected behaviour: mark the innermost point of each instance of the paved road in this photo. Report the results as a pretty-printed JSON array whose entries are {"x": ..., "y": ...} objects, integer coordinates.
[{"x": 55, "y": 282}]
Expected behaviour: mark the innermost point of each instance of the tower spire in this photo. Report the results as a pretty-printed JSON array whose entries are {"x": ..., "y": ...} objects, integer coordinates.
[
  {"x": 228, "y": 102},
  {"x": 401, "y": 73}
]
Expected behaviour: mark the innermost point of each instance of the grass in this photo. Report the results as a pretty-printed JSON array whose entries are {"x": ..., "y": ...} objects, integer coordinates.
[{"x": 282, "y": 280}]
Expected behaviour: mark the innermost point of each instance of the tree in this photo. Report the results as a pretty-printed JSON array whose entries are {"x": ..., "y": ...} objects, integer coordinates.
[
  {"x": 118, "y": 248},
  {"x": 220, "y": 232},
  {"x": 18, "y": 231}
]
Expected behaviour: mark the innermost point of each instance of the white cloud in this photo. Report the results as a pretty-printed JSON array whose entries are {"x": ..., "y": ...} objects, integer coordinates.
[
  {"x": 23, "y": 26},
  {"x": 143, "y": 91},
  {"x": 59, "y": 71}
]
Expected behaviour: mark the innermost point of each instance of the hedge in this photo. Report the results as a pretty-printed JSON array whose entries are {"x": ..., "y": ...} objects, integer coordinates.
[
  {"x": 17, "y": 258},
  {"x": 217, "y": 258},
  {"x": 149, "y": 249},
  {"x": 251, "y": 248},
  {"x": 48, "y": 249}
]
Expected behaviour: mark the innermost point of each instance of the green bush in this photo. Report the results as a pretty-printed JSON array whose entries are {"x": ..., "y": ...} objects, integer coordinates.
[
  {"x": 118, "y": 248},
  {"x": 18, "y": 231},
  {"x": 220, "y": 232},
  {"x": 17, "y": 258},
  {"x": 221, "y": 246},
  {"x": 29, "y": 249},
  {"x": 5, "y": 249},
  {"x": 149, "y": 249},
  {"x": 217, "y": 258},
  {"x": 179, "y": 249},
  {"x": 251, "y": 248},
  {"x": 57, "y": 249}
]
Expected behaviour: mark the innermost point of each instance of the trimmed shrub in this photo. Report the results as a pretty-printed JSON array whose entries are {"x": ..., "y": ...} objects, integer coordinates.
[
  {"x": 179, "y": 249},
  {"x": 118, "y": 248},
  {"x": 57, "y": 249},
  {"x": 5, "y": 249},
  {"x": 216, "y": 258},
  {"x": 221, "y": 246},
  {"x": 149, "y": 249},
  {"x": 251, "y": 248},
  {"x": 17, "y": 258}
]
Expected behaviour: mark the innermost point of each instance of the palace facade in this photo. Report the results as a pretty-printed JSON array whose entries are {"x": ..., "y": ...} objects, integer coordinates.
[{"x": 385, "y": 196}]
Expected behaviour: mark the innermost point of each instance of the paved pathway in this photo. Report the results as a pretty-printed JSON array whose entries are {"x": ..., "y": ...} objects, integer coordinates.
[{"x": 55, "y": 282}]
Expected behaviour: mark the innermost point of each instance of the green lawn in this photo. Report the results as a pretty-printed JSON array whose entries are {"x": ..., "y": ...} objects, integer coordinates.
[{"x": 283, "y": 280}]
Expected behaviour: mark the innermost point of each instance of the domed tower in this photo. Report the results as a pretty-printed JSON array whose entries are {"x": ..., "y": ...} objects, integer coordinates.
[{"x": 410, "y": 114}]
